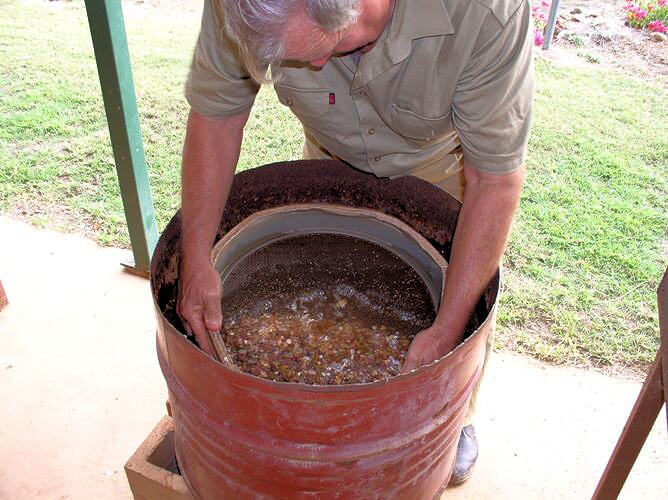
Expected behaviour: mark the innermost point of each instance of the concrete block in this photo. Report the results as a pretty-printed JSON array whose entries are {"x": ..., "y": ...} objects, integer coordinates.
[{"x": 151, "y": 469}]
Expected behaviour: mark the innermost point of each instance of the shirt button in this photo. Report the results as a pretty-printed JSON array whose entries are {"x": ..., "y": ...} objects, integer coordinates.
[
  {"x": 377, "y": 158},
  {"x": 289, "y": 101},
  {"x": 372, "y": 131}
]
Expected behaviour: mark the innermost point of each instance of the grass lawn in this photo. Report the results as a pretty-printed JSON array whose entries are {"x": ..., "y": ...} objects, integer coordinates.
[{"x": 590, "y": 242}]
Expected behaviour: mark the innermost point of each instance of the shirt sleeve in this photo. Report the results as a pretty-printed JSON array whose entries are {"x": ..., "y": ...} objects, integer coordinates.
[
  {"x": 494, "y": 95},
  {"x": 218, "y": 84}
]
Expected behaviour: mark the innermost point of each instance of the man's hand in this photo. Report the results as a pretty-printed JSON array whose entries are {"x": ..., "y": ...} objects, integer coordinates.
[
  {"x": 480, "y": 238},
  {"x": 428, "y": 346},
  {"x": 199, "y": 301},
  {"x": 210, "y": 155}
]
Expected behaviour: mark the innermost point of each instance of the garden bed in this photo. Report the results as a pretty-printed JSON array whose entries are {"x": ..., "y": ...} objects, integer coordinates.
[{"x": 594, "y": 32}]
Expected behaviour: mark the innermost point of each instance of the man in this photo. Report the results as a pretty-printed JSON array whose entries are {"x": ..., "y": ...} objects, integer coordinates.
[{"x": 439, "y": 89}]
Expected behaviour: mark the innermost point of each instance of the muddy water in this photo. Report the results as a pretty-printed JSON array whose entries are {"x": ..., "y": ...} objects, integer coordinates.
[{"x": 323, "y": 309}]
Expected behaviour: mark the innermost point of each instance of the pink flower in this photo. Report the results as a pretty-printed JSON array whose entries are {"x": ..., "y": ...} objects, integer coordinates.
[
  {"x": 538, "y": 37},
  {"x": 545, "y": 3},
  {"x": 641, "y": 14},
  {"x": 662, "y": 3},
  {"x": 657, "y": 26}
]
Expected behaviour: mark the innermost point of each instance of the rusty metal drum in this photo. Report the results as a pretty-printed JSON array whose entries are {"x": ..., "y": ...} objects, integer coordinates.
[{"x": 240, "y": 436}]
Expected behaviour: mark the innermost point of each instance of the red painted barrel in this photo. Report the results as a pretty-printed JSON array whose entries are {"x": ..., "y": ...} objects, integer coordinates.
[{"x": 239, "y": 436}]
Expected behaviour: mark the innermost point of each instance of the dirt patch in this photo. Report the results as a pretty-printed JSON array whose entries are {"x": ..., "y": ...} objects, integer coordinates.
[
  {"x": 58, "y": 148},
  {"x": 593, "y": 32},
  {"x": 51, "y": 215},
  {"x": 544, "y": 346},
  {"x": 141, "y": 7}
]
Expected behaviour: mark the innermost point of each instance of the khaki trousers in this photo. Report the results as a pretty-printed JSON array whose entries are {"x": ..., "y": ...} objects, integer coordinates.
[{"x": 448, "y": 175}]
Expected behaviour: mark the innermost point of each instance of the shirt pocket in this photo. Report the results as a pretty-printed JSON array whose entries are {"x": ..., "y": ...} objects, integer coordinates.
[
  {"x": 422, "y": 130},
  {"x": 312, "y": 107}
]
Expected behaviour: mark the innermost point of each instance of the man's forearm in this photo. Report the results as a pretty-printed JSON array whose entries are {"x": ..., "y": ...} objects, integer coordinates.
[
  {"x": 210, "y": 156},
  {"x": 479, "y": 241}
]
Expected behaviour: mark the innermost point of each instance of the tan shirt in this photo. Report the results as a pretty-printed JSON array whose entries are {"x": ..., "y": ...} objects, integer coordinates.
[{"x": 444, "y": 74}]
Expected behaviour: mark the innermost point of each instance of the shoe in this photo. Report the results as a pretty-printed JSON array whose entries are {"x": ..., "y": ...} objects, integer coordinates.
[{"x": 467, "y": 454}]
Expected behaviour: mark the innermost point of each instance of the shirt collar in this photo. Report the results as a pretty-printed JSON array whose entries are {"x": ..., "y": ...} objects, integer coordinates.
[{"x": 411, "y": 20}]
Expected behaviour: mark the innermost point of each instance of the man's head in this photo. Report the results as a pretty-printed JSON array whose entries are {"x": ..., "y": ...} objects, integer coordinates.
[{"x": 270, "y": 31}]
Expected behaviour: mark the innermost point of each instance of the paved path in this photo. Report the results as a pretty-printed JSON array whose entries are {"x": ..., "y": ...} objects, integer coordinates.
[{"x": 81, "y": 388}]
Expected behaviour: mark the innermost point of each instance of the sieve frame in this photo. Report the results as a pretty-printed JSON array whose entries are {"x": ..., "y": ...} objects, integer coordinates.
[{"x": 266, "y": 227}]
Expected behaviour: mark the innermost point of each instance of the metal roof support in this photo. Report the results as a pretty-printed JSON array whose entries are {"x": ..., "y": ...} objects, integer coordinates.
[{"x": 105, "y": 18}]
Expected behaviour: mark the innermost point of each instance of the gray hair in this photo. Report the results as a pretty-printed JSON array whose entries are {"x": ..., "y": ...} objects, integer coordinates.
[{"x": 258, "y": 26}]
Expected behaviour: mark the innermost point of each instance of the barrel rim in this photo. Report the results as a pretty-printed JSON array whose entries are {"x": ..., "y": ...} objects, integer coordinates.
[{"x": 245, "y": 379}]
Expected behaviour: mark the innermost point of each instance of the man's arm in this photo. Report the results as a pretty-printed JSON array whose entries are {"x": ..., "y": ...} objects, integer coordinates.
[
  {"x": 480, "y": 239},
  {"x": 210, "y": 156}
]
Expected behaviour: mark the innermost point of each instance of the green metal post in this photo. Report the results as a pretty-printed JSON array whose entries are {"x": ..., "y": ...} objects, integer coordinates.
[{"x": 107, "y": 29}]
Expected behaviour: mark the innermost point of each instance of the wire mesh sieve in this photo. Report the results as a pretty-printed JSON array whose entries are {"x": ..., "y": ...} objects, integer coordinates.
[{"x": 322, "y": 307}]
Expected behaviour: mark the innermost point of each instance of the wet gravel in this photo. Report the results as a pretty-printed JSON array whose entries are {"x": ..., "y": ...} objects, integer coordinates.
[{"x": 323, "y": 309}]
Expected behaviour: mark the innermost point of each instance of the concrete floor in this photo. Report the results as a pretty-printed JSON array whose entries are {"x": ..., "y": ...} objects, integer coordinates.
[{"x": 81, "y": 388}]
